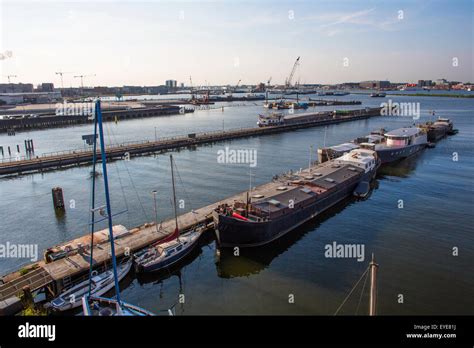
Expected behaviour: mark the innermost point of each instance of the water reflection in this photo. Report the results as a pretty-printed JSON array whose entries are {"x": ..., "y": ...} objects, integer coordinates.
[{"x": 401, "y": 169}]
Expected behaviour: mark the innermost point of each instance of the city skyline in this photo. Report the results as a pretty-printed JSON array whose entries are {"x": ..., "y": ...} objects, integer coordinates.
[{"x": 221, "y": 42}]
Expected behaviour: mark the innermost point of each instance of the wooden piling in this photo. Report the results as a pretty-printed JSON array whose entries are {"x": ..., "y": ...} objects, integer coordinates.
[{"x": 58, "y": 198}]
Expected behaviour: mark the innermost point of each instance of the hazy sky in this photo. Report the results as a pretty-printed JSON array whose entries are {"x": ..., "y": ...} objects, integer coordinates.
[{"x": 146, "y": 42}]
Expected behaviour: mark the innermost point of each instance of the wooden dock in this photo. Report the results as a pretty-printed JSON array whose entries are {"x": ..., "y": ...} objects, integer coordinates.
[
  {"x": 56, "y": 275},
  {"x": 61, "y": 159}
]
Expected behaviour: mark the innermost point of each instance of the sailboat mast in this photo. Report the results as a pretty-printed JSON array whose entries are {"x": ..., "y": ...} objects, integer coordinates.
[
  {"x": 174, "y": 195},
  {"x": 107, "y": 197},
  {"x": 94, "y": 162}
]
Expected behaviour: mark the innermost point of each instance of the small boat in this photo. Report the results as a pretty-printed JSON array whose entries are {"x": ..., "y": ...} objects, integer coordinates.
[
  {"x": 362, "y": 189},
  {"x": 273, "y": 119},
  {"x": 165, "y": 254},
  {"x": 378, "y": 95},
  {"x": 100, "y": 284},
  {"x": 104, "y": 307},
  {"x": 170, "y": 250}
]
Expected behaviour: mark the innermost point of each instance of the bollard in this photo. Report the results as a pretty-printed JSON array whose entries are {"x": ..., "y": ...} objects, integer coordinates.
[
  {"x": 18, "y": 148},
  {"x": 26, "y": 146},
  {"x": 32, "y": 146},
  {"x": 58, "y": 198},
  {"x": 1, "y": 149},
  {"x": 9, "y": 152}
]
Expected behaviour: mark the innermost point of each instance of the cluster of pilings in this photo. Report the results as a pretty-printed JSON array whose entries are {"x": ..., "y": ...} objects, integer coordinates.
[{"x": 29, "y": 149}]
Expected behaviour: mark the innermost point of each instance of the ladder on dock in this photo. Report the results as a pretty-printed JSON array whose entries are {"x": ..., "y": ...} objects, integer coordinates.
[{"x": 35, "y": 279}]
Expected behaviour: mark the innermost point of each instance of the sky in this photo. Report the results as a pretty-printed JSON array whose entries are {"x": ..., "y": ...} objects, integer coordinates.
[{"x": 127, "y": 42}]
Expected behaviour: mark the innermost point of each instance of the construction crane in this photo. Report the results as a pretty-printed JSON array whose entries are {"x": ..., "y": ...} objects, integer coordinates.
[
  {"x": 61, "y": 73},
  {"x": 238, "y": 83},
  {"x": 233, "y": 90},
  {"x": 82, "y": 79},
  {"x": 10, "y": 76},
  {"x": 288, "y": 80}
]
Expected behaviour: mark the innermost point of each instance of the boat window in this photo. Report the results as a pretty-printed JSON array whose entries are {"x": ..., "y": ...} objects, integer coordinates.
[{"x": 179, "y": 248}]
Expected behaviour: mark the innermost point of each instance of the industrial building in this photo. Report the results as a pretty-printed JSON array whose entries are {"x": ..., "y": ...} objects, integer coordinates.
[
  {"x": 374, "y": 84},
  {"x": 16, "y": 87},
  {"x": 171, "y": 84},
  {"x": 32, "y": 98}
]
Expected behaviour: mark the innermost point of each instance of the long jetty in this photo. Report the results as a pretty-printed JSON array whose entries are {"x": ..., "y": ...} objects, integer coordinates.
[
  {"x": 56, "y": 160},
  {"x": 53, "y": 120}
]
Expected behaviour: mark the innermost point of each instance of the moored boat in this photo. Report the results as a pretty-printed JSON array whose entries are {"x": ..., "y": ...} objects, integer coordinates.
[
  {"x": 292, "y": 203},
  {"x": 438, "y": 129},
  {"x": 100, "y": 284},
  {"x": 398, "y": 144},
  {"x": 166, "y": 254},
  {"x": 171, "y": 249},
  {"x": 378, "y": 95}
]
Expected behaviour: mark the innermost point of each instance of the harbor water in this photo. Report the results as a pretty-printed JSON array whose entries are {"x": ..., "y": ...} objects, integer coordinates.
[{"x": 419, "y": 213}]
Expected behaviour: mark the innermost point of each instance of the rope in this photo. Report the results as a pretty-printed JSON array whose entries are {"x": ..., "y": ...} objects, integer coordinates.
[
  {"x": 185, "y": 192},
  {"x": 352, "y": 290},
  {"x": 110, "y": 131},
  {"x": 362, "y": 293}
]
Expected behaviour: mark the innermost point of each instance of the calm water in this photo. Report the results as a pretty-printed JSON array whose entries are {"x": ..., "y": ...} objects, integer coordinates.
[{"x": 413, "y": 245}]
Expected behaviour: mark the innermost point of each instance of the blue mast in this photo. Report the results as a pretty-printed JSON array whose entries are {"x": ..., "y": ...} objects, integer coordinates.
[
  {"x": 107, "y": 198},
  {"x": 94, "y": 162}
]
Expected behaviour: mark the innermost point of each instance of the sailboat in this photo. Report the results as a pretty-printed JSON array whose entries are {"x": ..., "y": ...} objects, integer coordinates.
[
  {"x": 92, "y": 303},
  {"x": 98, "y": 285},
  {"x": 169, "y": 250}
]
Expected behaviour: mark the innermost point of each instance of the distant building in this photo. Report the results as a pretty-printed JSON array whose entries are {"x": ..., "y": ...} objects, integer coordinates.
[
  {"x": 441, "y": 82},
  {"x": 424, "y": 83},
  {"x": 46, "y": 87},
  {"x": 132, "y": 90},
  {"x": 16, "y": 87},
  {"x": 33, "y": 97},
  {"x": 346, "y": 85},
  {"x": 156, "y": 89},
  {"x": 182, "y": 84},
  {"x": 11, "y": 98},
  {"x": 171, "y": 83},
  {"x": 374, "y": 84}
]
